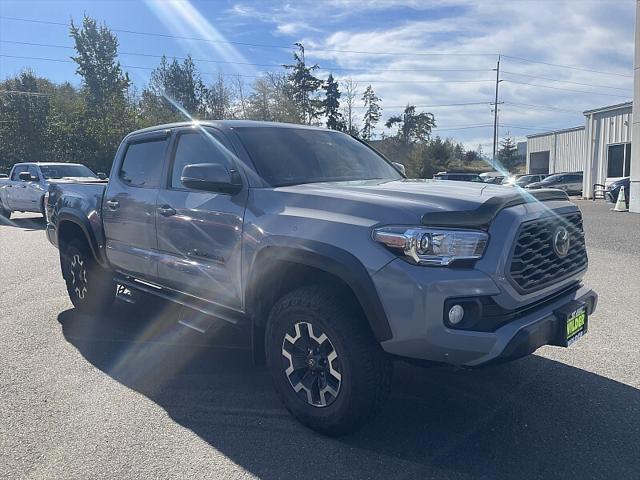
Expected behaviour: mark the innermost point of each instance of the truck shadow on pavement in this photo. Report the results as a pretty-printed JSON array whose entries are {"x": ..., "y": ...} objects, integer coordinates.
[
  {"x": 535, "y": 418},
  {"x": 26, "y": 223}
]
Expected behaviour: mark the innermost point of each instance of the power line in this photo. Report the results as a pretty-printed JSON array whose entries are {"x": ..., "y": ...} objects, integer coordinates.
[
  {"x": 253, "y": 76},
  {"x": 19, "y": 92},
  {"x": 566, "y": 81},
  {"x": 571, "y": 67},
  {"x": 465, "y": 104},
  {"x": 258, "y": 45},
  {"x": 288, "y": 47},
  {"x": 178, "y": 57},
  {"x": 566, "y": 89},
  {"x": 462, "y": 127},
  {"x": 541, "y": 107},
  {"x": 524, "y": 127}
]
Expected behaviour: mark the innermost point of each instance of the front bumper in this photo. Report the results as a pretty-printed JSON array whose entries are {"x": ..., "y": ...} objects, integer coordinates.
[
  {"x": 419, "y": 330},
  {"x": 414, "y": 300}
]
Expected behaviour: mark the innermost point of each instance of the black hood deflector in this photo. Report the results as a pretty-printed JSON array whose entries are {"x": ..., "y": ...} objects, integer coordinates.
[{"x": 482, "y": 216}]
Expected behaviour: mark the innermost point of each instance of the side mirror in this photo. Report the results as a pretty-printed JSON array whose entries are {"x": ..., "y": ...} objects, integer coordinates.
[
  {"x": 211, "y": 177},
  {"x": 27, "y": 177},
  {"x": 400, "y": 168},
  {"x": 102, "y": 175}
]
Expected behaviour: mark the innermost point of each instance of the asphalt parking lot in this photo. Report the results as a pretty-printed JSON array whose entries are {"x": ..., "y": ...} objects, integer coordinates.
[{"x": 133, "y": 395}]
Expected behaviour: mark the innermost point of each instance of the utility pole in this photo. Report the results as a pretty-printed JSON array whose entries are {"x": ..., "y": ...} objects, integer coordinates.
[{"x": 495, "y": 111}]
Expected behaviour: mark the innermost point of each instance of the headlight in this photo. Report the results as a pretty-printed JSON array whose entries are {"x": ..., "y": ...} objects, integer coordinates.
[{"x": 433, "y": 246}]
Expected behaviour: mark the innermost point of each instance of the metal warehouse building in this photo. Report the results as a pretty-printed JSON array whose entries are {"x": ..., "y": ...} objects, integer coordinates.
[
  {"x": 556, "y": 151},
  {"x": 601, "y": 149},
  {"x": 609, "y": 145}
]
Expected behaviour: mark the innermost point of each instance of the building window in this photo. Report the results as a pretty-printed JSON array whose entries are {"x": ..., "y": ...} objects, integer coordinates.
[{"x": 619, "y": 160}]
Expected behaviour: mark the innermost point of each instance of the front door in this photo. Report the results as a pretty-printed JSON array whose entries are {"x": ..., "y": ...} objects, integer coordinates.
[
  {"x": 130, "y": 205},
  {"x": 16, "y": 197},
  {"x": 200, "y": 232},
  {"x": 34, "y": 191}
]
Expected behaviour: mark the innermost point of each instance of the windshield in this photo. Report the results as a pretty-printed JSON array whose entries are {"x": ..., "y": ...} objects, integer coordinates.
[
  {"x": 289, "y": 156},
  {"x": 61, "y": 171},
  {"x": 551, "y": 179},
  {"x": 526, "y": 179}
]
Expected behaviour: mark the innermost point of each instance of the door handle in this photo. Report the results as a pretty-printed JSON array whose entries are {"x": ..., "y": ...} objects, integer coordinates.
[
  {"x": 166, "y": 210},
  {"x": 113, "y": 204}
]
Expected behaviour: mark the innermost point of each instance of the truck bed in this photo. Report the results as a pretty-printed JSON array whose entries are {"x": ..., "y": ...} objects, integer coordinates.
[{"x": 83, "y": 199}]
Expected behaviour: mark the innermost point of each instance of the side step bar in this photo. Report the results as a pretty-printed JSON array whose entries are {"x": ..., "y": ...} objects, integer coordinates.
[{"x": 192, "y": 321}]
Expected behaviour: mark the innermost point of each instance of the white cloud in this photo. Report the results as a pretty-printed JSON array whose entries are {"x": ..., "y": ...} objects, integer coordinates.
[{"x": 597, "y": 35}]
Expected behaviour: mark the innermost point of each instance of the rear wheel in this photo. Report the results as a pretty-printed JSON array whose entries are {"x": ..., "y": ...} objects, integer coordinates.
[
  {"x": 91, "y": 288},
  {"x": 327, "y": 367}
]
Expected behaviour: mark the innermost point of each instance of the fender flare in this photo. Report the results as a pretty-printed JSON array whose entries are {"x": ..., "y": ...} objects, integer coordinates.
[
  {"x": 70, "y": 215},
  {"x": 332, "y": 260}
]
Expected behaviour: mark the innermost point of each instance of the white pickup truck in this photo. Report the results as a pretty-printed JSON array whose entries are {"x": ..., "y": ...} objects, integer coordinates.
[{"x": 24, "y": 190}]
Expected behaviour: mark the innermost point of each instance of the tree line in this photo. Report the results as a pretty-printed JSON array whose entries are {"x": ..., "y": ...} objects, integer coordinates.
[{"x": 41, "y": 120}]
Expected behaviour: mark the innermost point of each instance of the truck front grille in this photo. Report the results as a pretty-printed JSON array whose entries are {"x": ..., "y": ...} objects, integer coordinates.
[{"x": 535, "y": 262}]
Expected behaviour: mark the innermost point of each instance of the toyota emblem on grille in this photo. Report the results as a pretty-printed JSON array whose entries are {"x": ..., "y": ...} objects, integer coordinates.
[{"x": 561, "y": 242}]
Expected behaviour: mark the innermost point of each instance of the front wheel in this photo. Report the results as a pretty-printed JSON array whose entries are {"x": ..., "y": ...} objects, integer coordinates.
[
  {"x": 90, "y": 287},
  {"x": 327, "y": 367}
]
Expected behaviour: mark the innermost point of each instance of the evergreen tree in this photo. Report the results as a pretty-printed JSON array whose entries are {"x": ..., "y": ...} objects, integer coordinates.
[
  {"x": 220, "y": 100},
  {"x": 508, "y": 153},
  {"x": 25, "y": 106},
  {"x": 108, "y": 115},
  {"x": 412, "y": 126},
  {"x": 176, "y": 92},
  {"x": 331, "y": 105},
  {"x": 372, "y": 113},
  {"x": 305, "y": 86},
  {"x": 98, "y": 65}
]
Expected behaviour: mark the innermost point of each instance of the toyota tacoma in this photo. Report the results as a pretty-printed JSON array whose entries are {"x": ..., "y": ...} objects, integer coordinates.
[{"x": 333, "y": 261}]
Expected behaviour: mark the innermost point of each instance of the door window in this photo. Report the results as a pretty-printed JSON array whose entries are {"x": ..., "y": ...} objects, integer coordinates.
[
  {"x": 142, "y": 164},
  {"x": 194, "y": 148},
  {"x": 18, "y": 170}
]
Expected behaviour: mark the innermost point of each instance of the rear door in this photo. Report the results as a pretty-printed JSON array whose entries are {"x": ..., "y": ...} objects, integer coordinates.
[
  {"x": 129, "y": 206},
  {"x": 200, "y": 232}
]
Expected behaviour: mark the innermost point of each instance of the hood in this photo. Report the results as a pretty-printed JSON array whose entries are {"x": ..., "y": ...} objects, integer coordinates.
[
  {"x": 440, "y": 202},
  {"x": 75, "y": 180}
]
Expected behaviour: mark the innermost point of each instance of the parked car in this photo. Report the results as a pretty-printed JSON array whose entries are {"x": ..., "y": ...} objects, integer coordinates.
[
  {"x": 25, "y": 189},
  {"x": 487, "y": 175},
  {"x": 497, "y": 180},
  {"x": 331, "y": 259},
  {"x": 613, "y": 190},
  {"x": 569, "y": 182},
  {"x": 524, "y": 180},
  {"x": 459, "y": 177}
]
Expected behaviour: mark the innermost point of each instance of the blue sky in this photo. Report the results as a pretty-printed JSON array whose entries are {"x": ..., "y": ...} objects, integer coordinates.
[{"x": 445, "y": 50}]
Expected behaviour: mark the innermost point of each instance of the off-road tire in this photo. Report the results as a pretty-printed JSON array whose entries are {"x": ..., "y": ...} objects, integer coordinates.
[
  {"x": 364, "y": 368},
  {"x": 90, "y": 287}
]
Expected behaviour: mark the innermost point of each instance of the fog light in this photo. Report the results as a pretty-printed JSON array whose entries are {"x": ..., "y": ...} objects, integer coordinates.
[{"x": 456, "y": 314}]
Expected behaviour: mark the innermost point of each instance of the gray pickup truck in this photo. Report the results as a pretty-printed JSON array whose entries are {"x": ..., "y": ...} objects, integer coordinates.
[
  {"x": 332, "y": 259},
  {"x": 25, "y": 188}
]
